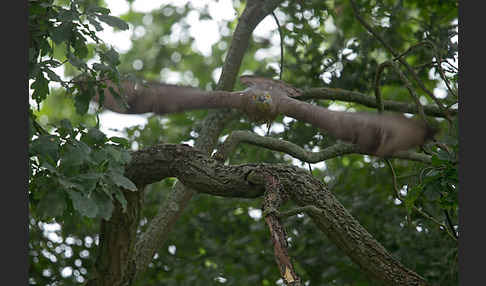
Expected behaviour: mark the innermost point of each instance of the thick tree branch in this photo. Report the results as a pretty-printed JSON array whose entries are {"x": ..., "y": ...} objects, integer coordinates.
[
  {"x": 255, "y": 11},
  {"x": 203, "y": 174}
]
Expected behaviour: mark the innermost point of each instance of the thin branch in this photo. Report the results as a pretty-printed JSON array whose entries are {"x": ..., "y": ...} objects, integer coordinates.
[
  {"x": 39, "y": 128},
  {"x": 280, "y": 32},
  {"x": 407, "y": 83},
  {"x": 395, "y": 54},
  {"x": 412, "y": 47},
  {"x": 449, "y": 223},
  {"x": 366, "y": 100},
  {"x": 304, "y": 209},
  {"x": 379, "y": 102},
  {"x": 415, "y": 208},
  {"x": 336, "y": 150},
  {"x": 438, "y": 63}
]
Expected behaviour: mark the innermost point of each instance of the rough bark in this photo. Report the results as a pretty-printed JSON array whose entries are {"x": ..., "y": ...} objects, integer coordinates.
[
  {"x": 206, "y": 175},
  {"x": 121, "y": 258},
  {"x": 114, "y": 261}
]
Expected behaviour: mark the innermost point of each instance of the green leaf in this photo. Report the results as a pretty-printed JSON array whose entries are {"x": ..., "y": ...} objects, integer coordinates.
[
  {"x": 66, "y": 16},
  {"x": 114, "y": 22},
  {"x": 68, "y": 184},
  {"x": 32, "y": 129},
  {"x": 81, "y": 101},
  {"x": 80, "y": 48},
  {"x": 73, "y": 155},
  {"x": 51, "y": 63},
  {"x": 126, "y": 157},
  {"x": 101, "y": 67},
  {"x": 52, "y": 75},
  {"x": 45, "y": 48},
  {"x": 94, "y": 136},
  {"x": 122, "y": 181},
  {"x": 46, "y": 146},
  {"x": 65, "y": 127},
  {"x": 119, "y": 140},
  {"x": 97, "y": 9},
  {"x": 40, "y": 87},
  {"x": 52, "y": 204},
  {"x": 99, "y": 156},
  {"x": 49, "y": 167},
  {"x": 105, "y": 205},
  {"x": 84, "y": 204},
  {"x": 95, "y": 23},
  {"x": 89, "y": 181},
  {"x": 111, "y": 56},
  {"x": 121, "y": 198},
  {"x": 61, "y": 33},
  {"x": 443, "y": 155},
  {"x": 75, "y": 61},
  {"x": 115, "y": 154}
]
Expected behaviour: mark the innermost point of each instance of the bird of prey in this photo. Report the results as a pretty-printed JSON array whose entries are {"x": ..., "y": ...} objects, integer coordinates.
[{"x": 264, "y": 99}]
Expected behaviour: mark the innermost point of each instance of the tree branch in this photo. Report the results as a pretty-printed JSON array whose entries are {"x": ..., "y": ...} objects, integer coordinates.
[
  {"x": 369, "y": 101},
  {"x": 205, "y": 175},
  {"x": 336, "y": 150},
  {"x": 209, "y": 129},
  {"x": 274, "y": 198}
]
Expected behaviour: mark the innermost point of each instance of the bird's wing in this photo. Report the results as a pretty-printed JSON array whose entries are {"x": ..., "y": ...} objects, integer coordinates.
[
  {"x": 164, "y": 98},
  {"x": 377, "y": 134}
]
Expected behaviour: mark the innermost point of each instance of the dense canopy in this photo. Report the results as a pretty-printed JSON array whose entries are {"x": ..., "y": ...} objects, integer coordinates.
[{"x": 208, "y": 197}]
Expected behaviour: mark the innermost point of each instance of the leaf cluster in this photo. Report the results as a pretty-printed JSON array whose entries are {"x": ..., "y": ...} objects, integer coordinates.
[
  {"x": 82, "y": 175},
  {"x": 59, "y": 36}
]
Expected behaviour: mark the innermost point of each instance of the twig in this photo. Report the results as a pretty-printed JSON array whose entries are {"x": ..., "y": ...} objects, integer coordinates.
[
  {"x": 37, "y": 126},
  {"x": 423, "y": 213},
  {"x": 280, "y": 32},
  {"x": 409, "y": 87},
  {"x": 369, "y": 101},
  {"x": 438, "y": 62},
  {"x": 449, "y": 223},
  {"x": 292, "y": 212},
  {"x": 379, "y": 102},
  {"x": 395, "y": 54},
  {"x": 412, "y": 47},
  {"x": 338, "y": 149},
  {"x": 407, "y": 83}
]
